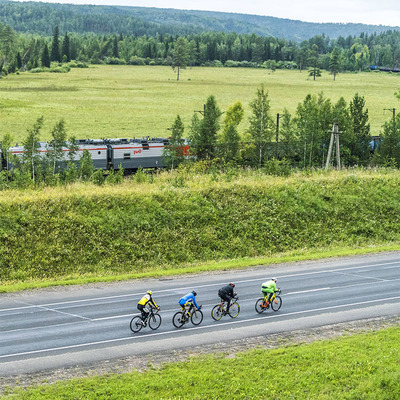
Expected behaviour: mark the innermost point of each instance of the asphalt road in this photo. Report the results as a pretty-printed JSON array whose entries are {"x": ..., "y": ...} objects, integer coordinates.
[{"x": 63, "y": 327}]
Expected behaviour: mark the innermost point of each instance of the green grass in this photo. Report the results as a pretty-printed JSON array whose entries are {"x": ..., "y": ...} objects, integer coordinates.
[
  {"x": 134, "y": 230},
  {"x": 136, "y": 101},
  {"x": 364, "y": 366}
]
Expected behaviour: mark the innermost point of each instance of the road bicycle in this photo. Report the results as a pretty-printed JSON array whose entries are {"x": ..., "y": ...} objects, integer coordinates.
[
  {"x": 153, "y": 319},
  {"x": 275, "y": 303},
  {"x": 188, "y": 314},
  {"x": 219, "y": 310}
]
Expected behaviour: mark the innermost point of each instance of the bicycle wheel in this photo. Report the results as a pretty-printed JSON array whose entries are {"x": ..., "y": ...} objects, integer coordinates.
[
  {"x": 276, "y": 306},
  {"x": 155, "y": 321},
  {"x": 217, "y": 312},
  {"x": 197, "y": 317},
  {"x": 234, "y": 310},
  {"x": 136, "y": 324},
  {"x": 177, "y": 320},
  {"x": 260, "y": 305}
]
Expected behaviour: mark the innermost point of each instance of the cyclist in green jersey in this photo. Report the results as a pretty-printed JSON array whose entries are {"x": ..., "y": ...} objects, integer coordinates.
[{"x": 269, "y": 288}]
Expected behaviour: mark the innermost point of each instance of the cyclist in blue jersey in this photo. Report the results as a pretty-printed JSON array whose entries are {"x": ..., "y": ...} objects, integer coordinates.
[{"x": 189, "y": 299}]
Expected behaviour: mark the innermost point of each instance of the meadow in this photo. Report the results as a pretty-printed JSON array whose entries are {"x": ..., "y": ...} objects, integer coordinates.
[
  {"x": 136, "y": 101},
  {"x": 364, "y": 366}
]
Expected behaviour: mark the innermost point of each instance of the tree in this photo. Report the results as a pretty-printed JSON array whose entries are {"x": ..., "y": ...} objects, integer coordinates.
[
  {"x": 180, "y": 55},
  {"x": 55, "y": 47},
  {"x": 360, "y": 129},
  {"x": 314, "y": 69},
  {"x": 65, "y": 50},
  {"x": 334, "y": 63},
  {"x": 45, "y": 57},
  {"x": 57, "y": 144},
  {"x": 86, "y": 167},
  {"x": 31, "y": 156},
  {"x": 209, "y": 128},
  {"x": 174, "y": 153},
  {"x": 230, "y": 139},
  {"x": 261, "y": 124},
  {"x": 8, "y": 39},
  {"x": 5, "y": 149},
  {"x": 388, "y": 153},
  {"x": 313, "y": 120},
  {"x": 115, "y": 48}
]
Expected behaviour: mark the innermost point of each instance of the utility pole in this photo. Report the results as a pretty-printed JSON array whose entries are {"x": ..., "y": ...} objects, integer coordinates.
[
  {"x": 334, "y": 138},
  {"x": 277, "y": 136},
  {"x": 393, "y": 110},
  {"x": 203, "y": 113}
]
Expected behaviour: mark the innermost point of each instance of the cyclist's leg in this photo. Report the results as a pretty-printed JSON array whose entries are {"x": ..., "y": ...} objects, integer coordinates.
[
  {"x": 265, "y": 294},
  {"x": 141, "y": 309},
  {"x": 270, "y": 297},
  {"x": 226, "y": 299}
]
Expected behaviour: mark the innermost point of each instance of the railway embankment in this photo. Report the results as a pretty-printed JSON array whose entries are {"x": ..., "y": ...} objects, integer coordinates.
[{"x": 180, "y": 221}]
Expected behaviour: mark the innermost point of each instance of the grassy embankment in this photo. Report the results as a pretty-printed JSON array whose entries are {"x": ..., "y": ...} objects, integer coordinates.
[
  {"x": 177, "y": 223},
  {"x": 365, "y": 366},
  {"x": 135, "y": 101}
]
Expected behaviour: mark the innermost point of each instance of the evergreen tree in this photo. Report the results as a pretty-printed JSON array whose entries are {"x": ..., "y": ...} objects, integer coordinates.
[
  {"x": 334, "y": 63},
  {"x": 115, "y": 48},
  {"x": 65, "y": 50},
  {"x": 45, "y": 57},
  {"x": 8, "y": 40},
  {"x": 19, "y": 60},
  {"x": 173, "y": 154},
  {"x": 55, "y": 47},
  {"x": 180, "y": 55},
  {"x": 209, "y": 127},
  {"x": 360, "y": 130}
]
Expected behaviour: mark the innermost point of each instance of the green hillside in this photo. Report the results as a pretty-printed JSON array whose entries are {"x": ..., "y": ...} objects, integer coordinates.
[{"x": 41, "y": 18}]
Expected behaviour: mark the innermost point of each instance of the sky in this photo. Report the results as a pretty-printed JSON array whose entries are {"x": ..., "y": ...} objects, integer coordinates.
[{"x": 373, "y": 12}]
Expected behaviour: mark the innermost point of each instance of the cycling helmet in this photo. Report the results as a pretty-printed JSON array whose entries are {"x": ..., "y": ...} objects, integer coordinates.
[
  {"x": 232, "y": 284},
  {"x": 274, "y": 279},
  {"x": 194, "y": 293},
  {"x": 149, "y": 292}
]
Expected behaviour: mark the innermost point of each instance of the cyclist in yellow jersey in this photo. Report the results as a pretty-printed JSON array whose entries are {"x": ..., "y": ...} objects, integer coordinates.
[{"x": 146, "y": 299}]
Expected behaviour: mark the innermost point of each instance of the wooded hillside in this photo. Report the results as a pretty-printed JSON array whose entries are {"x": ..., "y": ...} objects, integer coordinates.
[{"x": 41, "y": 18}]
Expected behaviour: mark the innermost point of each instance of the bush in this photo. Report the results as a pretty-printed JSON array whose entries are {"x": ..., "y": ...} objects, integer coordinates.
[{"x": 136, "y": 61}]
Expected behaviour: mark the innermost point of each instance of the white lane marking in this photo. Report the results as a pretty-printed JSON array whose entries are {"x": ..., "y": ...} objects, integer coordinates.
[
  {"x": 76, "y": 346},
  {"x": 197, "y": 286},
  {"x": 58, "y": 311},
  {"x": 307, "y": 291}
]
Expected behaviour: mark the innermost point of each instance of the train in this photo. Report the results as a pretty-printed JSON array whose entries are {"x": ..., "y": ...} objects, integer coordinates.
[
  {"x": 385, "y": 69},
  {"x": 128, "y": 154}
]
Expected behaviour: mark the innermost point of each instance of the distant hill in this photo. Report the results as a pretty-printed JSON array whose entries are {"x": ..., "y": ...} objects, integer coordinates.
[{"x": 41, "y": 18}]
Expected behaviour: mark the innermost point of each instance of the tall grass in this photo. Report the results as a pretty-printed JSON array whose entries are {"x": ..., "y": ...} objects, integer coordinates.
[
  {"x": 135, "y": 101},
  {"x": 180, "y": 220}
]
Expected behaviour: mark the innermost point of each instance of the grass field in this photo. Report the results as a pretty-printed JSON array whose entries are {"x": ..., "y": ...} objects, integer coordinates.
[
  {"x": 364, "y": 366},
  {"x": 136, "y": 101}
]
